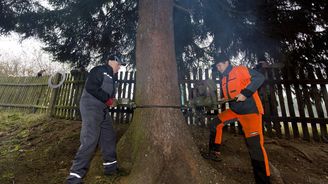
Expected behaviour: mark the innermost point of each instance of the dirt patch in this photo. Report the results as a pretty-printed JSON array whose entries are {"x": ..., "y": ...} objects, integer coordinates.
[
  {"x": 296, "y": 161},
  {"x": 42, "y": 152}
]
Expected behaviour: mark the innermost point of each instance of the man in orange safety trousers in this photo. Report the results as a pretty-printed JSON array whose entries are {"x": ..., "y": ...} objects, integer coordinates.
[{"x": 241, "y": 84}]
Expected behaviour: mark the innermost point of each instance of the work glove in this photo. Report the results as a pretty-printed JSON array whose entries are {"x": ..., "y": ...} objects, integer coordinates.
[{"x": 112, "y": 102}]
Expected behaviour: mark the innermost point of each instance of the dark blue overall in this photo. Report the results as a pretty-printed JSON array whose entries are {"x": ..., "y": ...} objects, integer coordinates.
[{"x": 96, "y": 124}]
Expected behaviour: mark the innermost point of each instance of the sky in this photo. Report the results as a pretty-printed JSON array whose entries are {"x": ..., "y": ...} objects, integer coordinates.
[
  {"x": 13, "y": 46},
  {"x": 28, "y": 53}
]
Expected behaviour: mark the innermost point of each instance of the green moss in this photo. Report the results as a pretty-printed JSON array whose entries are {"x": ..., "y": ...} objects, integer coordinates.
[
  {"x": 6, "y": 176},
  {"x": 18, "y": 120}
]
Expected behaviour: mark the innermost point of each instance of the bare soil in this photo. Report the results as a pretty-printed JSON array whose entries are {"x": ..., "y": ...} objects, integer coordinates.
[
  {"x": 42, "y": 152},
  {"x": 291, "y": 161}
]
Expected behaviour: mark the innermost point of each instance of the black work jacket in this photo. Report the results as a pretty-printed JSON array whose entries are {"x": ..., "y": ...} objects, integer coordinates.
[{"x": 100, "y": 85}]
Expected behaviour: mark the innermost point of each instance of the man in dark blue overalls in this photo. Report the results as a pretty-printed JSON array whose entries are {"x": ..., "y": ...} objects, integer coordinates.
[{"x": 98, "y": 95}]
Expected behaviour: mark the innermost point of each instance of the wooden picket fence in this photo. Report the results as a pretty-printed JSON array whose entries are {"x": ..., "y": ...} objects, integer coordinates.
[
  {"x": 65, "y": 100},
  {"x": 29, "y": 94},
  {"x": 295, "y": 103}
]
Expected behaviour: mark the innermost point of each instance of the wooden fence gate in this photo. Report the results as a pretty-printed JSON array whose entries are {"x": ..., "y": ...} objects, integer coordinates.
[{"x": 295, "y": 103}]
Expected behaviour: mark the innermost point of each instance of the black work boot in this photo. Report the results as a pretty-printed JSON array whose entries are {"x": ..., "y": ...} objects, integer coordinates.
[
  {"x": 74, "y": 181},
  {"x": 111, "y": 169},
  {"x": 212, "y": 155}
]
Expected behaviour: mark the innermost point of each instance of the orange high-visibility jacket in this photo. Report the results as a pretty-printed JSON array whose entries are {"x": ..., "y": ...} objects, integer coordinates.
[{"x": 240, "y": 79}]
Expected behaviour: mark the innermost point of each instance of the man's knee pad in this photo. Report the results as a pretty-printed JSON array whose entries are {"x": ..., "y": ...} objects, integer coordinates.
[{"x": 216, "y": 121}]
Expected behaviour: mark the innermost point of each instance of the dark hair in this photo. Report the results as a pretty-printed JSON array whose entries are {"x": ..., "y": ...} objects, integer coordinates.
[{"x": 219, "y": 58}]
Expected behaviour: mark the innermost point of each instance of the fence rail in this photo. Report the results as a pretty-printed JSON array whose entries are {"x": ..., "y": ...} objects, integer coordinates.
[{"x": 295, "y": 103}]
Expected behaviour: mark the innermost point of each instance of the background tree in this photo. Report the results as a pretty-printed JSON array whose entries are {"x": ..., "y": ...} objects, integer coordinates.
[
  {"x": 78, "y": 31},
  {"x": 9, "y": 11}
]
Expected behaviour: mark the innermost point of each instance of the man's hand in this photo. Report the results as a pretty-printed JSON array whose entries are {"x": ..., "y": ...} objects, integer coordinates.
[
  {"x": 112, "y": 102},
  {"x": 240, "y": 98}
]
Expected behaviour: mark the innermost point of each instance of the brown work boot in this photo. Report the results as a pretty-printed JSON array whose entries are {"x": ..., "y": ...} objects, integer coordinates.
[{"x": 212, "y": 155}]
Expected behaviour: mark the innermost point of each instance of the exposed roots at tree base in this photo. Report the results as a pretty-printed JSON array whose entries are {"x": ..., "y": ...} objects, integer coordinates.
[{"x": 158, "y": 148}]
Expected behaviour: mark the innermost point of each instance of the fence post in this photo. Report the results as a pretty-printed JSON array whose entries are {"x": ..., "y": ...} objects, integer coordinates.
[{"x": 53, "y": 98}]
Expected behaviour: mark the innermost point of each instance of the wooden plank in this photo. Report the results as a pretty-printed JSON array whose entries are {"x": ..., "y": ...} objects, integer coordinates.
[
  {"x": 297, "y": 81},
  {"x": 208, "y": 111},
  {"x": 66, "y": 96},
  {"x": 37, "y": 95},
  {"x": 265, "y": 93},
  {"x": 75, "y": 95},
  {"x": 53, "y": 99},
  {"x": 23, "y": 84},
  {"x": 2, "y": 91},
  {"x": 291, "y": 104},
  {"x": 60, "y": 101},
  {"x": 32, "y": 91},
  {"x": 15, "y": 92},
  {"x": 134, "y": 89},
  {"x": 300, "y": 106},
  {"x": 47, "y": 96},
  {"x": 278, "y": 75},
  {"x": 124, "y": 95},
  {"x": 183, "y": 94},
  {"x": 65, "y": 99},
  {"x": 22, "y": 106},
  {"x": 119, "y": 95},
  {"x": 78, "y": 94},
  {"x": 57, "y": 101},
  {"x": 18, "y": 93},
  {"x": 307, "y": 101},
  {"x": 43, "y": 95},
  {"x": 71, "y": 97},
  {"x": 273, "y": 103},
  {"x": 318, "y": 98},
  {"x": 189, "y": 90},
  {"x": 15, "y": 95},
  {"x": 298, "y": 119},
  {"x": 202, "y": 118},
  {"x": 129, "y": 96},
  {"x": 8, "y": 96}
]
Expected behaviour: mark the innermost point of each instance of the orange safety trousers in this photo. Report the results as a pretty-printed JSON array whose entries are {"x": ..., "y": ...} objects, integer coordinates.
[{"x": 252, "y": 127}]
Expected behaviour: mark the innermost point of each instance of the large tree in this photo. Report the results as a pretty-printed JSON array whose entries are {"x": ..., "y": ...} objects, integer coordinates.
[{"x": 158, "y": 148}]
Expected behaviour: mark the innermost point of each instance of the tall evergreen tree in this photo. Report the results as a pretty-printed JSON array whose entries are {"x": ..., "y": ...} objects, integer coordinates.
[{"x": 78, "y": 31}]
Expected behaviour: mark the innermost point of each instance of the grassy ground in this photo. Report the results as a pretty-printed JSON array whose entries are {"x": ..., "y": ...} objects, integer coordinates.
[{"x": 35, "y": 149}]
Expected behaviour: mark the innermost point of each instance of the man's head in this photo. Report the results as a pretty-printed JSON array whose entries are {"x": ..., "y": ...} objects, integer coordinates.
[
  {"x": 114, "y": 61},
  {"x": 221, "y": 62}
]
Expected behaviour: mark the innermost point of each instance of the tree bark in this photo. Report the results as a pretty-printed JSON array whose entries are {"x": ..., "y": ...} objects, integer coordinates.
[{"x": 158, "y": 147}]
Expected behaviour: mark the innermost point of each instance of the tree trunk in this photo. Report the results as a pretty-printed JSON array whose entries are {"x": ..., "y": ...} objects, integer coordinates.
[{"x": 158, "y": 147}]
